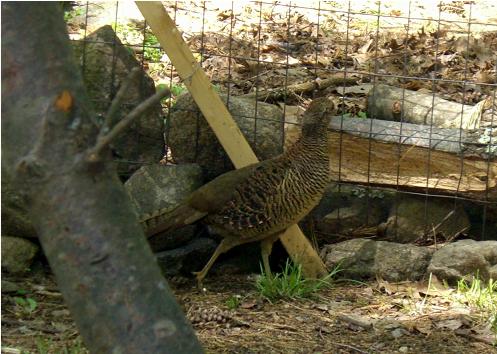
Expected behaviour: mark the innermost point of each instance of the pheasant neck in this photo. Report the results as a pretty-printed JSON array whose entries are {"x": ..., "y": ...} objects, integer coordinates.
[{"x": 310, "y": 146}]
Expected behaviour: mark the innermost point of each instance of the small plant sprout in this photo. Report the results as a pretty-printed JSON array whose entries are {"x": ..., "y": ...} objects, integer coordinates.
[
  {"x": 233, "y": 302},
  {"x": 26, "y": 304}
]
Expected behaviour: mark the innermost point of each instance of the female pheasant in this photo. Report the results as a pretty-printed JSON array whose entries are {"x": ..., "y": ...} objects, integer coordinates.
[{"x": 260, "y": 201}]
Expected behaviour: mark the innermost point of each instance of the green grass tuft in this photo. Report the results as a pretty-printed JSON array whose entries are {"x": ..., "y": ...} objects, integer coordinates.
[
  {"x": 290, "y": 284},
  {"x": 233, "y": 302},
  {"x": 483, "y": 296}
]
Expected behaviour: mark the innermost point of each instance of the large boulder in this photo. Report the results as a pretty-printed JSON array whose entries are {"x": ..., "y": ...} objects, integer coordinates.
[
  {"x": 465, "y": 258},
  {"x": 156, "y": 187},
  {"x": 17, "y": 254},
  {"x": 192, "y": 140},
  {"x": 363, "y": 258},
  {"x": 415, "y": 218},
  {"x": 106, "y": 63}
]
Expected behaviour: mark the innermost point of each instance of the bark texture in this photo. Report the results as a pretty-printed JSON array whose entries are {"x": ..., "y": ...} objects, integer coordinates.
[{"x": 85, "y": 221}]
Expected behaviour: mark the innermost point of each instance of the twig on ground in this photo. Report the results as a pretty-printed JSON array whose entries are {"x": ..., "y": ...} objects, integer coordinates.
[
  {"x": 49, "y": 293},
  {"x": 435, "y": 228},
  {"x": 355, "y": 320},
  {"x": 302, "y": 87},
  {"x": 350, "y": 347},
  {"x": 30, "y": 325},
  {"x": 467, "y": 334}
]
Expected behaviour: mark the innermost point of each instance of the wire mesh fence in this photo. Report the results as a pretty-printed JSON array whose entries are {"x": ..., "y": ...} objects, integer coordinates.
[{"x": 415, "y": 84}]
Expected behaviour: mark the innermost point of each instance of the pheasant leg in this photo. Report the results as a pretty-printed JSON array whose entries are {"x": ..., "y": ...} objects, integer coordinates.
[
  {"x": 266, "y": 248},
  {"x": 225, "y": 245}
]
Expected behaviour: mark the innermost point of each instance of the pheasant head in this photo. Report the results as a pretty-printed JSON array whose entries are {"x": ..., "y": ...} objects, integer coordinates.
[{"x": 317, "y": 117}]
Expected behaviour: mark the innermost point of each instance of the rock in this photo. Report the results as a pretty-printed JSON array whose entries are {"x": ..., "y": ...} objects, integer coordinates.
[
  {"x": 364, "y": 258},
  {"x": 188, "y": 258},
  {"x": 397, "y": 333},
  {"x": 15, "y": 219},
  {"x": 106, "y": 66},
  {"x": 347, "y": 210},
  {"x": 413, "y": 218},
  {"x": 17, "y": 254},
  {"x": 351, "y": 219},
  {"x": 355, "y": 257},
  {"x": 155, "y": 187},
  {"x": 10, "y": 287},
  {"x": 398, "y": 262},
  {"x": 465, "y": 258},
  {"x": 492, "y": 272},
  {"x": 192, "y": 140}
]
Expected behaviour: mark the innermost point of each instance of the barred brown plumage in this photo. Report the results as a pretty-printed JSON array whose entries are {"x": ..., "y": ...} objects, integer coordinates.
[{"x": 260, "y": 201}]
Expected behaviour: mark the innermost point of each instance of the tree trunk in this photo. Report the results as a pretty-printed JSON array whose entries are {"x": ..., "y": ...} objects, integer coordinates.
[{"x": 85, "y": 221}]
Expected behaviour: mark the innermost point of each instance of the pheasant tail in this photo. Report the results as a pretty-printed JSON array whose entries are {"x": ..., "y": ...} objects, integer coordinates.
[{"x": 164, "y": 220}]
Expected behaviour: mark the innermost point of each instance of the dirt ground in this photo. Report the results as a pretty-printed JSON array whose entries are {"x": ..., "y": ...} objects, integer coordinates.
[{"x": 230, "y": 317}]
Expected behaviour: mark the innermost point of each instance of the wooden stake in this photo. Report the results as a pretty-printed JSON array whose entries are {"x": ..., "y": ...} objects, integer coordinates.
[{"x": 220, "y": 120}]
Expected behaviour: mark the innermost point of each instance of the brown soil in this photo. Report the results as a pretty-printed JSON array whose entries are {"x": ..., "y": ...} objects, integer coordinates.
[{"x": 347, "y": 318}]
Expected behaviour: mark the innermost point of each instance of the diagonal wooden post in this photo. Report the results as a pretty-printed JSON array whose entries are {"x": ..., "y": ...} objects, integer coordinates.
[{"x": 217, "y": 115}]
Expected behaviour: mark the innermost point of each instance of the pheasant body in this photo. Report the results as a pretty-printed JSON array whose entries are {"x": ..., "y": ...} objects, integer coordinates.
[{"x": 259, "y": 201}]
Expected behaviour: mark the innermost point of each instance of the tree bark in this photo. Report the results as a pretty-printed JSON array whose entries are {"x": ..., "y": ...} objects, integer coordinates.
[{"x": 85, "y": 221}]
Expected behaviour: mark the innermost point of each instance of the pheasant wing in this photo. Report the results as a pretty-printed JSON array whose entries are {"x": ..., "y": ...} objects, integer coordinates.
[{"x": 254, "y": 199}]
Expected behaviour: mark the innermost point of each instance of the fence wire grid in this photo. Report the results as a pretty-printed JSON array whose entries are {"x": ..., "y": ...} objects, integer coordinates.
[{"x": 374, "y": 58}]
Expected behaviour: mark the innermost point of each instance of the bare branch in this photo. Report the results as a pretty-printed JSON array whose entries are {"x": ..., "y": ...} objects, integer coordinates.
[
  {"x": 105, "y": 140},
  {"x": 116, "y": 102},
  {"x": 300, "y": 88}
]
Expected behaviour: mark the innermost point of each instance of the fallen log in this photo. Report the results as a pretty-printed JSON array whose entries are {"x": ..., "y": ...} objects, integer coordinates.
[
  {"x": 411, "y": 156},
  {"x": 396, "y": 104}
]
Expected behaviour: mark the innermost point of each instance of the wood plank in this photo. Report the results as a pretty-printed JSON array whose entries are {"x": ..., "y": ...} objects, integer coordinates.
[
  {"x": 215, "y": 112},
  {"x": 197, "y": 82}
]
